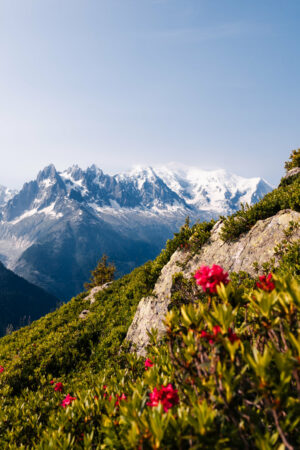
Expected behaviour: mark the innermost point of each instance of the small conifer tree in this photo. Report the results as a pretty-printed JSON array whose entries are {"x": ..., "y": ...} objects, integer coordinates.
[
  {"x": 103, "y": 273},
  {"x": 294, "y": 160}
]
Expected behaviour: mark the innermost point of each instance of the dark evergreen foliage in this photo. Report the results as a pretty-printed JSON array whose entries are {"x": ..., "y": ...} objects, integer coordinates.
[{"x": 103, "y": 273}]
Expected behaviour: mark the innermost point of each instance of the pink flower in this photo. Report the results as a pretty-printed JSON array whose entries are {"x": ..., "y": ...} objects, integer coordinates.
[
  {"x": 67, "y": 400},
  {"x": 52, "y": 382},
  {"x": 210, "y": 277},
  {"x": 167, "y": 396},
  {"x": 58, "y": 387},
  {"x": 119, "y": 398},
  {"x": 1, "y": 369},
  {"x": 148, "y": 363},
  {"x": 104, "y": 387},
  {"x": 211, "y": 338},
  {"x": 266, "y": 283}
]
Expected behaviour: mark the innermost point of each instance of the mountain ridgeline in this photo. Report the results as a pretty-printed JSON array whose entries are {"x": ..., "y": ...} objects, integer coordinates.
[{"x": 55, "y": 229}]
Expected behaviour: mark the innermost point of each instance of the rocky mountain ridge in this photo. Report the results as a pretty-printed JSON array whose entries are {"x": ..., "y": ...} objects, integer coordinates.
[{"x": 56, "y": 228}]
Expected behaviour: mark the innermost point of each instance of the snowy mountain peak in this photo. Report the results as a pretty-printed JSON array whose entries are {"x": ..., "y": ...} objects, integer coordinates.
[
  {"x": 216, "y": 190},
  {"x": 145, "y": 188},
  {"x": 53, "y": 230},
  {"x": 49, "y": 172}
]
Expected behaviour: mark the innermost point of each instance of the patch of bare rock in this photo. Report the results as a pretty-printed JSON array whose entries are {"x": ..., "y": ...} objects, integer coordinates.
[{"x": 91, "y": 297}]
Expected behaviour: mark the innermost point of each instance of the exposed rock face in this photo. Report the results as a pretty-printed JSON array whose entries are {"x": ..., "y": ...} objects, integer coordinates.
[
  {"x": 255, "y": 246},
  {"x": 292, "y": 173},
  {"x": 84, "y": 314},
  {"x": 95, "y": 290}
]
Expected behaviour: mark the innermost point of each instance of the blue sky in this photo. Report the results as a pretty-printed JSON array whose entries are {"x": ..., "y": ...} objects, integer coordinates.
[{"x": 211, "y": 83}]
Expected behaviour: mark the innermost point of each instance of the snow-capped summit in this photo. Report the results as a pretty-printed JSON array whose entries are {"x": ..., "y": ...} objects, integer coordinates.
[
  {"x": 55, "y": 229},
  {"x": 216, "y": 190}
]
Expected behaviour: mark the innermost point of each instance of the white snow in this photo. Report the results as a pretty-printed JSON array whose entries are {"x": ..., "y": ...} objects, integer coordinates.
[
  {"x": 206, "y": 190},
  {"x": 49, "y": 211},
  {"x": 29, "y": 213}
]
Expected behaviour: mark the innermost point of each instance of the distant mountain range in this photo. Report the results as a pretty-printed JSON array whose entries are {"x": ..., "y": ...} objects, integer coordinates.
[{"x": 55, "y": 229}]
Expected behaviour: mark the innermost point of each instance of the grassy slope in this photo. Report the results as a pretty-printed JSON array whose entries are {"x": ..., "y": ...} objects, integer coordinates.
[{"x": 64, "y": 347}]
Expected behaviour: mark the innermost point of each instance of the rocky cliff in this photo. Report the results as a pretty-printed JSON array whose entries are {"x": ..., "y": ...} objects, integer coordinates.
[{"x": 255, "y": 246}]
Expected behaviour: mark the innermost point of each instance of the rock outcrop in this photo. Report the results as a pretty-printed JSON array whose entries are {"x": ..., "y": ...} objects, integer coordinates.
[
  {"x": 255, "y": 246},
  {"x": 84, "y": 314},
  {"x": 292, "y": 173},
  {"x": 91, "y": 296}
]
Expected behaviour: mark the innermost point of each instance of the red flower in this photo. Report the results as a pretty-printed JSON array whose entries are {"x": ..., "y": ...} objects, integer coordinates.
[
  {"x": 52, "y": 382},
  {"x": 216, "y": 330},
  {"x": 58, "y": 387},
  {"x": 148, "y": 363},
  {"x": 96, "y": 397},
  {"x": 266, "y": 283},
  {"x": 104, "y": 387},
  {"x": 232, "y": 336},
  {"x": 1, "y": 369},
  {"x": 211, "y": 338},
  {"x": 210, "y": 277},
  {"x": 67, "y": 400},
  {"x": 167, "y": 396},
  {"x": 119, "y": 398}
]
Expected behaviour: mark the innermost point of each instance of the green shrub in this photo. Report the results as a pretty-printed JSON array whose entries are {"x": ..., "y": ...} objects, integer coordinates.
[{"x": 239, "y": 388}]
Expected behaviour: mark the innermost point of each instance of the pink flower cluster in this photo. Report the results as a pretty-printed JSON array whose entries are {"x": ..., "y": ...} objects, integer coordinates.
[
  {"x": 119, "y": 398},
  {"x": 167, "y": 396},
  {"x": 211, "y": 338},
  {"x": 148, "y": 364},
  {"x": 59, "y": 387},
  {"x": 67, "y": 400},
  {"x": 1, "y": 369},
  {"x": 266, "y": 283},
  {"x": 210, "y": 277}
]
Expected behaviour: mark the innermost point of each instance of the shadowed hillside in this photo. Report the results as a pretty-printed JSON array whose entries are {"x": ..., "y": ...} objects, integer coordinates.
[{"x": 20, "y": 301}]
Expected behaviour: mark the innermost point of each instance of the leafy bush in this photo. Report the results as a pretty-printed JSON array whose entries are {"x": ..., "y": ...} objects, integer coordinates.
[{"x": 226, "y": 377}]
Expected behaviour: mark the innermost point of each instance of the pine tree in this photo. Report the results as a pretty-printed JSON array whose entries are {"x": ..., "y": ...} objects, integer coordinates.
[
  {"x": 103, "y": 273},
  {"x": 294, "y": 160}
]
